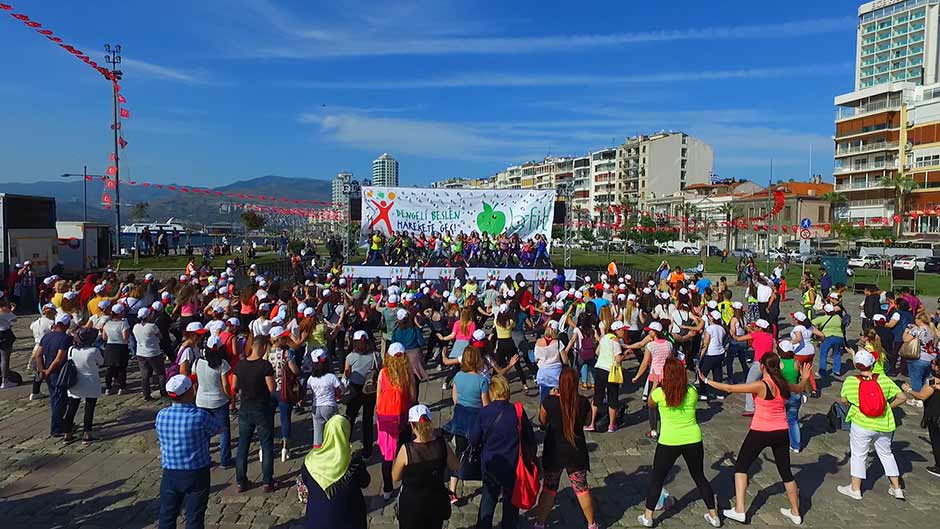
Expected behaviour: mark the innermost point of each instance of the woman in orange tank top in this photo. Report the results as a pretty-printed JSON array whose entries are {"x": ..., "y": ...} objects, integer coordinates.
[
  {"x": 768, "y": 429},
  {"x": 395, "y": 396}
]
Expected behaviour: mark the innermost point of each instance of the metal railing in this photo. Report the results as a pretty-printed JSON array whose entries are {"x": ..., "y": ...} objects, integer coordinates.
[
  {"x": 868, "y": 147},
  {"x": 866, "y": 167},
  {"x": 849, "y": 112}
]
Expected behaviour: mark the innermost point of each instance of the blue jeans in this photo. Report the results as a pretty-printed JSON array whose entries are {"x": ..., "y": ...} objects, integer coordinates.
[
  {"x": 739, "y": 351},
  {"x": 251, "y": 418},
  {"x": 177, "y": 486},
  {"x": 792, "y": 407},
  {"x": 284, "y": 411},
  {"x": 836, "y": 344},
  {"x": 587, "y": 370},
  {"x": 57, "y": 404},
  {"x": 221, "y": 415},
  {"x": 544, "y": 392},
  {"x": 917, "y": 371},
  {"x": 492, "y": 491}
]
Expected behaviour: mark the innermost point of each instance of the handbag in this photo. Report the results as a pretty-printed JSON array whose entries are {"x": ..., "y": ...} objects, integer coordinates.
[
  {"x": 910, "y": 350},
  {"x": 616, "y": 374},
  {"x": 290, "y": 384},
  {"x": 371, "y": 385},
  {"x": 68, "y": 375},
  {"x": 525, "y": 491}
]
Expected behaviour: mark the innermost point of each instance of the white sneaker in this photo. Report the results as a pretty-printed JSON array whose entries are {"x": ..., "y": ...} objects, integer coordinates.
[
  {"x": 735, "y": 515},
  {"x": 120, "y": 391},
  {"x": 260, "y": 456},
  {"x": 387, "y": 496},
  {"x": 35, "y": 396},
  {"x": 444, "y": 386},
  {"x": 8, "y": 384},
  {"x": 796, "y": 519},
  {"x": 795, "y": 450},
  {"x": 714, "y": 521},
  {"x": 644, "y": 521},
  {"x": 283, "y": 455},
  {"x": 849, "y": 491},
  {"x": 897, "y": 493}
]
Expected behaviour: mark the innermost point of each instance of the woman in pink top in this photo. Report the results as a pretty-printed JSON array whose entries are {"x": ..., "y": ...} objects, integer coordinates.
[
  {"x": 656, "y": 349},
  {"x": 462, "y": 333},
  {"x": 762, "y": 342},
  {"x": 768, "y": 429}
]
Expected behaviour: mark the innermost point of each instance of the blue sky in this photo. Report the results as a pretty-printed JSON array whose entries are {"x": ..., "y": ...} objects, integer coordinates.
[{"x": 221, "y": 90}]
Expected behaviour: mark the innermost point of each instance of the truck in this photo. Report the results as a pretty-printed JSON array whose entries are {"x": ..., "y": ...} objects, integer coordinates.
[
  {"x": 679, "y": 247},
  {"x": 83, "y": 246},
  {"x": 28, "y": 232}
]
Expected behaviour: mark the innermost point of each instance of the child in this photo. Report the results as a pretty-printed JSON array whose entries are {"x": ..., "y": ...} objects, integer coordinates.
[{"x": 325, "y": 390}]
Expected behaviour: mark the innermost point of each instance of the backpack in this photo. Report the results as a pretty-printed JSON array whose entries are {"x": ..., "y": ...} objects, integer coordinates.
[
  {"x": 871, "y": 398},
  {"x": 588, "y": 347},
  {"x": 290, "y": 385},
  {"x": 818, "y": 303},
  {"x": 174, "y": 368}
]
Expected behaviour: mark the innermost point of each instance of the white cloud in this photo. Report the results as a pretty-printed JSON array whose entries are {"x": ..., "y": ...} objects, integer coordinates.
[
  {"x": 166, "y": 73},
  {"x": 498, "y": 79},
  {"x": 342, "y": 33}
]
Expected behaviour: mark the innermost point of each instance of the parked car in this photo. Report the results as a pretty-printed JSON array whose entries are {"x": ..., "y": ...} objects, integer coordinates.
[
  {"x": 904, "y": 262},
  {"x": 865, "y": 261},
  {"x": 645, "y": 248},
  {"x": 921, "y": 262},
  {"x": 714, "y": 251},
  {"x": 777, "y": 254},
  {"x": 932, "y": 266},
  {"x": 742, "y": 252}
]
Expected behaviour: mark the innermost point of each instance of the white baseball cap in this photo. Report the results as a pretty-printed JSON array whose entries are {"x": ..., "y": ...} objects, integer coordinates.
[
  {"x": 148, "y": 277},
  {"x": 713, "y": 304},
  {"x": 616, "y": 326},
  {"x": 785, "y": 345},
  {"x": 647, "y": 290},
  {"x": 479, "y": 334},
  {"x": 63, "y": 319},
  {"x": 117, "y": 309},
  {"x": 264, "y": 307},
  {"x": 631, "y": 297},
  {"x": 319, "y": 354},
  {"x": 621, "y": 297},
  {"x": 737, "y": 305},
  {"x": 277, "y": 331},
  {"x": 548, "y": 294},
  {"x": 684, "y": 291},
  {"x": 762, "y": 323},
  {"x": 419, "y": 412},
  {"x": 715, "y": 315},
  {"x": 664, "y": 295},
  {"x": 833, "y": 295},
  {"x": 143, "y": 313},
  {"x": 213, "y": 342},
  {"x": 103, "y": 304},
  {"x": 178, "y": 385},
  {"x": 579, "y": 295},
  {"x": 654, "y": 326},
  {"x": 308, "y": 311},
  {"x": 401, "y": 314},
  {"x": 864, "y": 358},
  {"x": 879, "y": 317},
  {"x": 395, "y": 349},
  {"x": 234, "y": 322},
  {"x": 828, "y": 307},
  {"x": 49, "y": 280},
  {"x": 156, "y": 306},
  {"x": 99, "y": 289},
  {"x": 70, "y": 295},
  {"x": 799, "y": 316},
  {"x": 360, "y": 335},
  {"x": 196, "y": 327}
]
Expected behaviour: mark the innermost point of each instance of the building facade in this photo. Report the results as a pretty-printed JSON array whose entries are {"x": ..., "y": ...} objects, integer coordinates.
[
  {"x": 660, "y": 164},
  {"x": 340, "y": 181},
  {"x": 385, "y": 171},
  {"x": 897, "y": 42}
]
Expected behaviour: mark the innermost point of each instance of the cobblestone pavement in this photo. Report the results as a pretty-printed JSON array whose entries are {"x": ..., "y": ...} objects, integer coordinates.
[{"x": 114, "y": 482}]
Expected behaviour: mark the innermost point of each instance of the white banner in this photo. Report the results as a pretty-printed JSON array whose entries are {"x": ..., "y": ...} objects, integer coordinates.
[{"x": 390, "y": 210}]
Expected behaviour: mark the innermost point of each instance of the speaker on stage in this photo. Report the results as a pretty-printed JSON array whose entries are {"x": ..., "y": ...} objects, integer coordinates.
[
  {"x": 560, "y": 210},
  {"x": 355, "y": 209}
]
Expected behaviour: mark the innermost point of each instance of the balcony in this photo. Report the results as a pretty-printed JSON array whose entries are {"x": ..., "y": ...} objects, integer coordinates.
[
  {"x": 860, "y": 183},
  {"x": 876, "y": 166},
  {"x": 878, "y": 106},
  {"x": 868, "y": 147}
]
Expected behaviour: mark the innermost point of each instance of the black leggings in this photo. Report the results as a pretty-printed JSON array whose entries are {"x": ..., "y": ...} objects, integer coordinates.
[
  {"x": 604, "y": 390},
  {"x": 756, "y": 442},
  {"x": 933, "y": 428},
  {"x": 72, "y": 408},
  {"x": 115, "y": 374},
  {"x": 710, "y": 366},
  {"x": 665, "y": 458}
]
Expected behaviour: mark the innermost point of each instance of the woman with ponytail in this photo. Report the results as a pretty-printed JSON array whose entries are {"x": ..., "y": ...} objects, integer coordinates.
[
  {"x": 563, "y": 415},
  {"x": 768, "y": 429}
]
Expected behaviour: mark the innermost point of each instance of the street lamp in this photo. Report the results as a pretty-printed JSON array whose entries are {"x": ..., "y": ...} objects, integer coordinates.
[
  {"x": 113, "y": 58},
  {"x": 84, "y": 174}
]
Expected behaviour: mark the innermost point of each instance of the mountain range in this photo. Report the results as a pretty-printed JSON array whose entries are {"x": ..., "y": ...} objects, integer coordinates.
[{"x": 188, "y": 209}]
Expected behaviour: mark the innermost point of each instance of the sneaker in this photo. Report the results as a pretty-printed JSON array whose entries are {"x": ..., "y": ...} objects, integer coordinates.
[
  {"x": 795, "y": 450},
  {"x": 720, "y": 397},
  {"x": 270, "y": 487},
  {"x": 387, "y": 495},
  {"x": 87, "y": 439},
  {"x": 795, "y": 518},
  {"x": 934, "y": 471},
  {"x": 120, "y": 391},
  {"x": 747, "y": 414},
  {"x": 703, "y": 397},
  {"x": 897, "y": 493},
  {"x": 732, "y": 514},
  {"x": 612, "y": 428},
  {"x": 644, "y": 521},
  {"x": 260, "y": 456},
  {"x": 803, "y": 398},
  {"x": 8, "y": 384},
  {"x": 713, "y": 521},
  {"x": 817, "y": 375},
  {"x": 589, "y": 428},
  {"x": 242, "y": 487},
  {"x": 34, "y": 396},
  {"x": 652, "y": 434},
  {"x": 848, "y": 491},
  {"x": 444, "y": 386},
  {"x": 283, "y": 455},
  {"x": 453, "y": 498}
]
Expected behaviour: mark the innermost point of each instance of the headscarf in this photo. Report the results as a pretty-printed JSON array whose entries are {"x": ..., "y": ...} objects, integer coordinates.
[
  {"x": 88, "y": 289},
  {"x": 329, "y": 463}
]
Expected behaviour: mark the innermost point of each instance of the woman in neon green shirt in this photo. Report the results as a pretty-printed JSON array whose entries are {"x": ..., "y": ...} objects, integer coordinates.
[{"x": 679, "y": 435}]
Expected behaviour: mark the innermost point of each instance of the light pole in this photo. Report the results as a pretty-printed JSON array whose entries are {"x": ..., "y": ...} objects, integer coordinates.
[
  {"x": 113, "y": 58},
  {"x": 84, "y": 174}
]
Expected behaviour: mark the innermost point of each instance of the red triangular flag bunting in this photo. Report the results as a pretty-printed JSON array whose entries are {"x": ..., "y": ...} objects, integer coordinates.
[
  {"x": 121, "y": 99},
  {"x": 125, "y": 113},
  {"x": 122, "y": 142}
]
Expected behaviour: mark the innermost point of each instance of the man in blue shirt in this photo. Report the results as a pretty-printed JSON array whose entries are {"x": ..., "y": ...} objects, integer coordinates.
[
  {"x": 183, "y": 431},
  {"x": 702, "y": 283},
  {"x": 598, "y": 299},
  {"x": 52, "y": 355}
]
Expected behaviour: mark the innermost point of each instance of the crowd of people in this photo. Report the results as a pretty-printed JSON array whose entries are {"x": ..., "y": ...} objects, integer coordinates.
[
  {"x": 237, "y": 343},
  {"x": 461, "y": 249}
]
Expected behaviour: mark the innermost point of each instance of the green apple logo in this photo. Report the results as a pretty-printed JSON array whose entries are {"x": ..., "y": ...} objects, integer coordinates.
[{"x": 490, "y": 220}]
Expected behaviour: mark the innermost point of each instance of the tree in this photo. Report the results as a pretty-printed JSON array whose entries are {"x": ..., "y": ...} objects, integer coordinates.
[
  {"x": 902, "y": 186},
  {"x": 846, "y": 231},
  {"x": 139, "y": 211},
  {"x": 587, "y": 235},
  {"x": 252, "y": 220},
  {"x": 578, "y": 213},
  {"x": 837, "y": 202},
  {"x": 729, "y": 212}
]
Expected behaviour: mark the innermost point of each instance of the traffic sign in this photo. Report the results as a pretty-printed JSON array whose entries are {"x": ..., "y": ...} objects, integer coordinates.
[
  {"x": 804, "y": 233},
  {"x": 805, "y": 247},
  {"x": 806, "y": 224}
]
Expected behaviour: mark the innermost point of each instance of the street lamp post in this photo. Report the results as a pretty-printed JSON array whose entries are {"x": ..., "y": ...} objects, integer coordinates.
[{"x": 85, "y": 176}]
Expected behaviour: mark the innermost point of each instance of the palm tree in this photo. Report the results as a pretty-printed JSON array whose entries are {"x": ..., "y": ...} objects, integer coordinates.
[
  {"x": 902, "y": 186},
  {"x": 578, "y": 212},
  {"x": 728, "y": 211},
  {"x": 836, "y": 201}
]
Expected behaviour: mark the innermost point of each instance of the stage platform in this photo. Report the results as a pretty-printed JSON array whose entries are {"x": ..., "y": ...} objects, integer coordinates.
[{"x": 438, "y": 272}]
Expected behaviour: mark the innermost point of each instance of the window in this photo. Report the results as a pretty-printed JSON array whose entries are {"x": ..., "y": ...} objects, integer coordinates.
[
  {"x": 820, "y": 214},
  {"x": 786, "y": 214}
]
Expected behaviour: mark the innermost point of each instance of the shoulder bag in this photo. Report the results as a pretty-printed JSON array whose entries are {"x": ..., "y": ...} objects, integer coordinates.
[
  {"x": 68, "y": 374},
  {"x": 371, "y": 385}
]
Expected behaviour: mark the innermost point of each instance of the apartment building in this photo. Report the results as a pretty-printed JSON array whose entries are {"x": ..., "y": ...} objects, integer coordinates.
[
  {"x": 340, "y": 181},
  {"x": 385, "y": 171},
  {"x": 660, "y": 164},
  {"x": 465, "y": 183}
]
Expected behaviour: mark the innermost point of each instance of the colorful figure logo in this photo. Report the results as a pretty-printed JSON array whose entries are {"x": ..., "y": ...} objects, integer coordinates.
[{"x": 384, "y": 209}]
